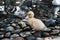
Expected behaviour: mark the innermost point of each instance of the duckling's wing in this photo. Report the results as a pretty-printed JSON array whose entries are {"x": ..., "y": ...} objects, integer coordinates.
[{"x": 38, "y": 24}]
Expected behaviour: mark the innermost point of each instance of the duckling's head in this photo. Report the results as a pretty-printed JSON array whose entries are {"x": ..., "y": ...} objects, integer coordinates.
[{"x": 30, "y": 14}]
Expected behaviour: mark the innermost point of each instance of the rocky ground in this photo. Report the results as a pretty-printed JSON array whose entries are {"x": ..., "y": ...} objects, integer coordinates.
[{"x": 12, "y": 30}]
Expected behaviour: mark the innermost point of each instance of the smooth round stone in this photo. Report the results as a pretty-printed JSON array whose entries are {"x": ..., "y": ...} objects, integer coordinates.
[
  {"x": 13, "y": 24},
  {"x": 55, "y": 31},
  {"x": 4, "y": 13},
  {"x": 2, "y": 29},
  {"x": 39, "y": 38},
  {"x": 45, "y": 34},
  {"x": 14, "y": 35},
  {"x": 22, "y": 23},
  {"x": 8, "y": 24},
  {"x": 24, "y": 34},
  {"x": 57, "y": 27},
  {"x": 7, "y": 34},
  {"x": 17, "y": 38},
  {"x": 31, "y": 37},
  {"x": 19, "y": 22},
  {"x": 10, "y": 28},
  {"x": 48, "y": 38},
  {"x": 1, "y": 35},
  {"x": 17, "y": 31},
  {"x": 6, "y": 39},
  {"x": 17, "y": 27},
  {"x": 52, "y": 28}
]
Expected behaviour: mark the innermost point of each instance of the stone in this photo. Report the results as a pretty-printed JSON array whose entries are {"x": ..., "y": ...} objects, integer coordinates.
[
  {"x": 1, "y": 35},
  {"x": 5, "y": 39},
  {"x": 17, "y": 38},
  {"x": 1, "y": 32},
  {"x": 22, "y": 23},
  {"x": 10, "y": 28},
  {"x": 17, "y": 31},
  {"x": 13, "y": 24},
  {"x": 8, "y": 34},
  {"x": 57, "y": 27},
  {"x": 1, "y": 29},
  {"x": 38, "y": 38},
  {"x": 24, "y": 34},
  {"x": 52, "y": 28},
  {"x": 55, "y": 31},
  {"x": 14, "y": 35},
  {"x": 31, "y": 37},
  {"x": 46, "y": 34}
]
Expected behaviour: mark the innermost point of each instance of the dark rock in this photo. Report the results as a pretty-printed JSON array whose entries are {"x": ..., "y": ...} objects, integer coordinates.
[
  {"x": 31, "y": 37},
  {"x": 1, "y": 32}
]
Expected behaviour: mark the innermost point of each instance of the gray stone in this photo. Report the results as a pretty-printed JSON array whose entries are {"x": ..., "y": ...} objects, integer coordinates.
[
  {"x": 17, "y": 31},
  {"x": 24, "y": 34},
  {"x": 18, "y": 27},
  {"x": 52, "y": 28},
  {"x": 1, "y": 36},
  {"x": 17, "y": 38},
  {"x": 14, "y": 35},
  {"x": 31, "y": 37},
  {"x": 57, "y": 27},
  {"x": 5, "y": 39},
  {"x": 55, "y": 31},
  {"x": 7, "y": 34},
  {"x": 46, "y": 34},
  {"x": 1, "y": 29},
  {"x": 13, "y": 24},
  {"x": 10, "y": 28}
]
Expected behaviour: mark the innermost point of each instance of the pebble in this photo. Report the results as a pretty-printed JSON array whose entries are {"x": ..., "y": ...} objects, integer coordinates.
[
  {"x": 5, "y": 39},
  {"x": 8, "y": 34},
  {"x": 14, "y": 35},
  {"x": 10, "y": 28},
  {"x": 55, "y": 31},
  {"x": 13, "y": 24},
  {"x": 1, "y": 35},
  {"x": 17, "y": 38}
]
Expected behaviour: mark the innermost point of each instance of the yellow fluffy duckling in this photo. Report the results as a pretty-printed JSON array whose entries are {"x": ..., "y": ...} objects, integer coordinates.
[{"x": 36, "y": 24}]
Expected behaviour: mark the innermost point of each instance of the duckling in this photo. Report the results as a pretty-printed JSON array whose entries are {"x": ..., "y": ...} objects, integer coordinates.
[{"x": 36, "y": 24}]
